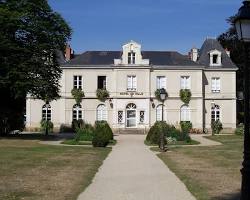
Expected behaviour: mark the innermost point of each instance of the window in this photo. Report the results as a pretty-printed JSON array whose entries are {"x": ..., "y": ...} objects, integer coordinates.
[
  {"x": 101, "y": 114},
  {"x": 131, "y": 57},
  {"x": 161, "y": 82},
  {"x": 159, "y": 113},
  {"x": 77, "y": 112},
  {"x": 120, "y": 117},
  {"x": 185, "y": 113},
  {"x": 46, "y": 112},
  {"x": 132, "y": 83},
  {"x": 215, "y": 84},
  {"x": 101, "y": 82},
  {"x": 142, "y": 116},
  {"x": 185, "y": 82},
  {"x": 77, "y": 82},
  {"x": 215, "y": 59},
  {"x": 215, "y": 113}
]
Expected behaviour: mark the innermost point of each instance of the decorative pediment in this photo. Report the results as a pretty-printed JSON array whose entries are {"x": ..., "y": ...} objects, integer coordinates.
[{"x": 131, "y": 55}]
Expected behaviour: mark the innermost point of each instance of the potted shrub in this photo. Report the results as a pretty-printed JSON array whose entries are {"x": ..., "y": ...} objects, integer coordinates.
[
  {"x": 78, "y": 94},
  {"x": 102, "y": 94},
  {"x": 185, "y": 95}
]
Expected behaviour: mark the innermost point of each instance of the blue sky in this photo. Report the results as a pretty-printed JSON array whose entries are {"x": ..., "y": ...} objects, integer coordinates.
[{"x": 156, "y": 24}]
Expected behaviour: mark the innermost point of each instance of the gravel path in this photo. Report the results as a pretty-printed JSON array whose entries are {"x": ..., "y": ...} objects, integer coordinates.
[{"x": 133, "y": 172}]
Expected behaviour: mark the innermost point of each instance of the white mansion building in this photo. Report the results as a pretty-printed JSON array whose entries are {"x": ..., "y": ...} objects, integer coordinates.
[{"x": 132, "y": 76}]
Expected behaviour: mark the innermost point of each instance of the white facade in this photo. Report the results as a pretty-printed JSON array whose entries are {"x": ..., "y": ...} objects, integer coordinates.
[{"x": 132, "y": 81}]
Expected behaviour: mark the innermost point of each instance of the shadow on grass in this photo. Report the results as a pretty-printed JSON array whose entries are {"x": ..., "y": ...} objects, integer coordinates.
[
  {"x": 39, "y": 136},
  {"x": 230, "y": 196}
]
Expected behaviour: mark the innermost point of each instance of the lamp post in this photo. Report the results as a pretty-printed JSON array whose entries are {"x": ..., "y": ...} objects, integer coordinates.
[
  {"x": 242, "y": 25},
  {"x": 163, "y": 96},
  {"x": 46, "y": 127}
]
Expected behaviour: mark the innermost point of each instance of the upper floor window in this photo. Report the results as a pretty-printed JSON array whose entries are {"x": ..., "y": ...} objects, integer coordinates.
[
  {"x": 215, "y": 84},
  {"x": 101, "y": 113},
  {"x": 215, "y": 58},
  {"x": 46, "y": 112},
  {"x": 101, "y": 82},
  {"x": 77, "y": 112},
  {"x": 132, "y": 83},
  {"x": 161, "y": 82},
  {"x": 185, "y": 113},
  {"x": 131, "y": 57},
  {"x": 185, "y": 82},
  {"x": 77, "y": 82}
]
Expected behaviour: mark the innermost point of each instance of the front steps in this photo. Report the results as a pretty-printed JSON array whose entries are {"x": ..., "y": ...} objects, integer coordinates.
[{"x": 132, "y": 131}]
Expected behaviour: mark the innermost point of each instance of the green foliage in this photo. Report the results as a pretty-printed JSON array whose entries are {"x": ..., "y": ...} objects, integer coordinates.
[
  {"x": 185, "y": 95},
  {"x": 169, "y": 131},
  {"x": 102, "y": 134},
  {"x": 106, "y": 128},
  {"x": 157, "y": 94},
  {"x": 78, "y": 94},
  {"x": 47, "y": 125},
  {"x": 66, "y": 128},
  {"x": 102, "y": 94},
  {"x": 76, "y": 124},
  {"x": 239, "y": 130},
  {"x": 186, "y": 126},
  {"x": 85, "y": 133},
  {"x": 216, "y": 127}
]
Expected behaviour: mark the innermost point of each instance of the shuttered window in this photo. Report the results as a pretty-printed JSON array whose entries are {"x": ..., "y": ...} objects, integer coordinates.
[
  {"x": 101, "y": 113},
  {"x": 131, "y": 83},
  {"x": 215, "y": 85},
  {"x": 161, "y": 82},
  {"x": 185, "y": 82}
]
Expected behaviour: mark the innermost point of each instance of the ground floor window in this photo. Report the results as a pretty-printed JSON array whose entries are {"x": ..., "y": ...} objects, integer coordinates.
[
  {"x": 77, "y": 112},
  {"x": 120, "y": 117},
  {"x": 215, "y": 113},
  {"x": 185, "y": 113},
  {"x": 101, "y": 113},
  {"x": 142, "y": 116},
  {"x": 46, "y": 112}
]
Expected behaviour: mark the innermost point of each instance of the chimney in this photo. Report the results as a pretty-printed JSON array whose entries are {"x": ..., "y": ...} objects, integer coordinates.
[
  {"x": 194, "y": 54},
  {"x": 228, "y": 52},
  {"x": 69, "y": 53}
]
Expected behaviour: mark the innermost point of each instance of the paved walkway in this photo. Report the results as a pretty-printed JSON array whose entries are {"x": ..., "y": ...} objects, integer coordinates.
[
  {"x": 133, "y": 172},
  {"x": 203, "y": 141}
]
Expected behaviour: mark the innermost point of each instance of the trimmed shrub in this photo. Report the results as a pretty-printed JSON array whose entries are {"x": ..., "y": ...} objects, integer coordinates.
[
  {"x": 239, "y": 130},
  {"x": 76, "y": 124},
  {"x": 216, "y": 127},
  {"x": 85, "y": 134},
  {"x": 65, "y": 128},
  {"x": 185, "y": 95},
  {"x": 47, "y": 124},
  {"x": 102, "y": 134},
  {"x": 102, "y": 94},
  {"x": 186, "y": 126},
  {"x": 78, "y": 94}
]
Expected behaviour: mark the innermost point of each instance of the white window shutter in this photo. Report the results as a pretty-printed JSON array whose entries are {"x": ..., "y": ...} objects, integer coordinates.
[
  {"x": 163, "y": 82},
  {"x": 134, "y": 82},
  {"x": 182, "y": 83},
  {"x": 158, "y": 85},
  {"x": 188, "y": 82},
  {"x": 213, "y": 84},
  {"x": 129, "y": 82},
  {"x": 218, "y": 84}
]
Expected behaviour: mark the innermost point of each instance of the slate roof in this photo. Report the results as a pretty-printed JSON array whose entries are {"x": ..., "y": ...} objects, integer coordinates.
[
  {"x": 160, "y": 58},
  {"x": 212, "y": 44}
]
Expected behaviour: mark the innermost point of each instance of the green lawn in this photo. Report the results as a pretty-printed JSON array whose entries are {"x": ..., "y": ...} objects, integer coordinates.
[
  {"x": 209, "y": 172},
  {"x": 32, "y": 171}
]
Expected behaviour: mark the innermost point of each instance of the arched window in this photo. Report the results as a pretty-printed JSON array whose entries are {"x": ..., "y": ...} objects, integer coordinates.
[
  {"x": 131, "y": 106},
  {"x": 101, "y": 113},
  {"x": 159, "y": 113},
  {"x": 215, "y": 113},
  {"x": 185, "y": 113},
  {"x": 46, "y": 112},
  {"x": 77, "y": 112}
]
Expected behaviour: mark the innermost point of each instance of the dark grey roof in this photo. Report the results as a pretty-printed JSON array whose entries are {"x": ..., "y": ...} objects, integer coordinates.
[
  {"x": 170, "y": 58},
  {"x": 212, "y": 44}
]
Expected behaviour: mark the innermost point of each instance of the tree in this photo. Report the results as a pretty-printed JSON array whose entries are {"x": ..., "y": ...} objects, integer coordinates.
[
  {"x": 31, "y": 36},
  {"x": 230, "y": 41}
]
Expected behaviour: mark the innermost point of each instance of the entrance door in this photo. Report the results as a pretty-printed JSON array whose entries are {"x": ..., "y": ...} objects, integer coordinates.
[{"x": 131, "y": 115}]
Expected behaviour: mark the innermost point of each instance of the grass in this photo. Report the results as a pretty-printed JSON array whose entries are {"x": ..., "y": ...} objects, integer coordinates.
[
  {"x": 192, "y": 142},
  {"x": 209, "y": 172},
  {"x": 29, "y": 170},
  {"x": 74, "y": 142}
]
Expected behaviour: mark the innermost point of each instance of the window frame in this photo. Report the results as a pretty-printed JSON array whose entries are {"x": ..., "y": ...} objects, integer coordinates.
[
  {"x": 131, "y": 58},
  {"x": 185, "y": 82},
  {"x": 160, "y": 83},
  {"x": 217, "y": 113},
  {"x": 216, "y": 83},
  {"x": 133, "y": 83},
  {"x": 104, "y": 83},
  {"x": 46, "y": 112},
  {"x": 77, "y": 82},
  {"x": 142, "y": 120},
  {"x": 77, "y": 111},
  {"x": 104, "y": 113}
]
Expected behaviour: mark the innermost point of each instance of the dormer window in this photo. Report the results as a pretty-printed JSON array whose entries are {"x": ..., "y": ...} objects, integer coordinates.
[
  {"x": 131, "y": 58},
  {"x": 215, "y": 58}
]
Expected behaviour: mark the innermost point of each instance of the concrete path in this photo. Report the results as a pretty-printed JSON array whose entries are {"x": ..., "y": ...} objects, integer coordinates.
[
  {"x": 203, "y": 141},
  {"x": 133, "y": 172}
]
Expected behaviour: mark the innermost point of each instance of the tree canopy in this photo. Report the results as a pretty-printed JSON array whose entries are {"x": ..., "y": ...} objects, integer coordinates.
[{"x": 31, "y": 37}]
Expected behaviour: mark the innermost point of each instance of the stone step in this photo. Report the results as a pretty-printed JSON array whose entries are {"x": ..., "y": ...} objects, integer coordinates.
[{"x": 132, "y": 131}]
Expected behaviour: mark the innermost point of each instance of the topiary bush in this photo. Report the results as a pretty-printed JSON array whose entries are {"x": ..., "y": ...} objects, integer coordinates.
[
  {"x": 102, "y": 94},
  {"x": 185, "y": 95},
  {"x": 102, "y": 134},
  {"x": 157, "y": 94},
  {"x": 216, "y": 127},
  {"x": 85, "y": 133},
  {"x": 46, "y": 124},
  {"x": 186, "y": 126},
  {"x": 76, "y": 124},
  {"x": 78, "y": 94},
  {"x": 239, "y": 130},
  {"x": 106, "y": 128}
]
